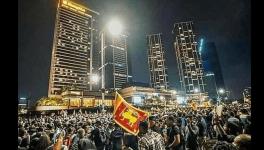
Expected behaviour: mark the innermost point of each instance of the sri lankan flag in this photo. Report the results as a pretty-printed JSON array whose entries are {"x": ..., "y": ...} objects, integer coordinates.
[{"x": 127, "y": 116}]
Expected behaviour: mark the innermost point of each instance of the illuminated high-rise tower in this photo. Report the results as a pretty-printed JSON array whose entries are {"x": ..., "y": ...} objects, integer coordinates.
[
  {"x": 116, "y": 61},
  {"x": 188, "y": 59},
  {"x": 156, "y": 61},
  {"x": 73, "y": 48}
]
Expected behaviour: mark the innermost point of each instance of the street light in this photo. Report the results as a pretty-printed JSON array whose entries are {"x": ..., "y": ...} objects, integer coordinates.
[
  {"x": 115, "y": 28},
  {"x": 220, "y": 92},
  {"x": 196, "y": 90},
  {"x": 94, "y": 78}
]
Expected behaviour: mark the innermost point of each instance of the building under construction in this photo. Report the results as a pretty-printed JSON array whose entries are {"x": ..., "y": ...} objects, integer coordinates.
[
  {"x": 189, "y": 61},
  {"x": 156, "y": 62}
]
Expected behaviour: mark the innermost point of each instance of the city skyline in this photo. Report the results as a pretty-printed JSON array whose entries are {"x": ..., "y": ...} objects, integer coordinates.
[{"x": 36, "y": 83}]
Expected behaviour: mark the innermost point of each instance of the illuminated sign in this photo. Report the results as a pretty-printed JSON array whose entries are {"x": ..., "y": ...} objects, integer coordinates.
[
  {"x": 137, "y": 100},
  {"x": 201, "y": 45},
  {"x": 73, "y": 5}
]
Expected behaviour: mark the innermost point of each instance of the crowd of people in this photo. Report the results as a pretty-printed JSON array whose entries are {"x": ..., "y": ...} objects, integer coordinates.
[{"x": 179, "y": 129}]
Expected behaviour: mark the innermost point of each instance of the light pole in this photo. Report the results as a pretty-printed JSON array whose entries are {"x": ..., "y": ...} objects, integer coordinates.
[
  {"x": 219, "y": 93},
  {"x": 115, "y": 28}
]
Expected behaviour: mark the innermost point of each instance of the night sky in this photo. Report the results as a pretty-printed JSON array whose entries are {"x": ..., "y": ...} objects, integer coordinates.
[{"x": 225, "y": 22}]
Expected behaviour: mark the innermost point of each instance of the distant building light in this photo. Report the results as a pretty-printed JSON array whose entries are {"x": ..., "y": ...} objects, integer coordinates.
[
  {"x": 201, "y": 45},
  {"x": 23, "y": 98},
  {"x": 209, "y": 74}
]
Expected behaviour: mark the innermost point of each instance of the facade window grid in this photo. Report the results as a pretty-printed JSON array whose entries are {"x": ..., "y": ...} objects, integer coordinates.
[
  {"x": 82, "y": 50},
  {"x": 74, "y": 27},
  {"x": 74, "y": 34},
  {"x": 66, "y": 54},
  {"x": 66, "y": 30},
  {"x": 71, "y": 51},
  {"x": 71, "y": 65},
  {"x": 79, "y": 25},
  {"x": 74, "y": 61}
]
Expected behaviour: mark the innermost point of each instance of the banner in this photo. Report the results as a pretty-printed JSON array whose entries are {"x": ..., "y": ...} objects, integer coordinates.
[{"x": 127, "y": 116}]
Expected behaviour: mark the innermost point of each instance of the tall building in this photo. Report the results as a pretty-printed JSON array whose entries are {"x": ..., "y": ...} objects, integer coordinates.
[
  {"x": 188, "y": 59},
  {"x": 116, "y": 62},
  {"x": 210, "y": 87},
  {"x": 211, "y": 63},
  {"x": 156, "y": 62},
  {"x": 73, "y": 45}
]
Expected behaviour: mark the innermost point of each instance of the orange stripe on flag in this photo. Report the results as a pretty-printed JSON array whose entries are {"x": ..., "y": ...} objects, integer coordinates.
[{"x": 127, "y": 116}]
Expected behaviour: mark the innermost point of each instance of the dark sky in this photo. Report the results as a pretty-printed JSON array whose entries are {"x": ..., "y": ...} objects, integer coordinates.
[{"x": 225, "y": 22}]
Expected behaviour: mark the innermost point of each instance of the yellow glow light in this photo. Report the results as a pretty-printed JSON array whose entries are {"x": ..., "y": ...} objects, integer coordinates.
[{"x": 73, "y": 5}]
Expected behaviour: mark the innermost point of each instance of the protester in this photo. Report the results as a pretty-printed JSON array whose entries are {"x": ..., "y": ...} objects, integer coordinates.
[
  {"x": 173, "y": 135},
  {"x": 43, "y": 142},
  {"x": 98, "y": 136},
  {"x": 180, "y": 128},
  {"x": 116, "y": 138},
  {"x": 192, "y": 132},
  {"x": 152, "y": 124},
  {"x": 148, "y": 139}
]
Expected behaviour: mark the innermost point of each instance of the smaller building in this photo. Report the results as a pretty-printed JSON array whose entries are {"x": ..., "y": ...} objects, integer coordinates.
[
  {"x": 211, "y": 85},
  {"x": 140, "y": 96},
  {"x": 83, "y": 99}
]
